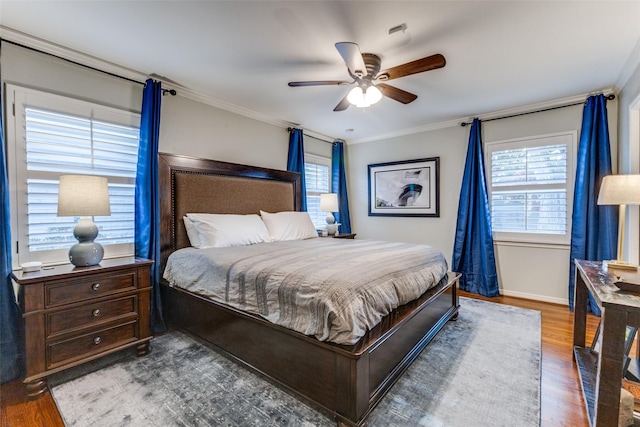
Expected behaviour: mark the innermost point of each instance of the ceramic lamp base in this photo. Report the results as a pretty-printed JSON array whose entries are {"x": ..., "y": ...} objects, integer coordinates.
[
  {"x": 332, "y": 229},
  {"x": 86, "y": 252}
]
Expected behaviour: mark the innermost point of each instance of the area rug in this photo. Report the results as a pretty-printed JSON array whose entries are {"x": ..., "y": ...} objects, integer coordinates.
[{"x": 481, "y": 370}]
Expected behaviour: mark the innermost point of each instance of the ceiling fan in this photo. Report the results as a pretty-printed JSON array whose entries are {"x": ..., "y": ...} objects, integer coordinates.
[{"x": 364, "y": 69}]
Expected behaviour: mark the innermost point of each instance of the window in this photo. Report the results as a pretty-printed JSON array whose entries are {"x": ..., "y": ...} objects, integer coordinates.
[
  {"x": 317, "y": 173},
  {"x": 530, "y": 183},
  {"x": 52, "y": 136}
]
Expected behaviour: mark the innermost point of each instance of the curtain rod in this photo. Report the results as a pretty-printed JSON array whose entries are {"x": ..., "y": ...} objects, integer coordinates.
[
  {"x": 164, "y": 91},
  {"x": 609, "y": 97},
  {"x": 290, "y": 129}
]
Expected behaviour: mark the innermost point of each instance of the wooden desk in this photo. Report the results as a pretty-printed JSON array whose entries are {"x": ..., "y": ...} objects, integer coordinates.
[{"x": 601, "y": 374}]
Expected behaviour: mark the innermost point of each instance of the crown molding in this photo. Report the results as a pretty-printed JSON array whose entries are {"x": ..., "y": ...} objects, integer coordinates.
[
  {"x": 632, "y": 64},
  {"x": 410, "y": 131},
  {"x": 69, "y": 54},
  {"x": 560, "y": 102},
  {"x": 218, "y": 103},
  {"x": 100, "y": 64}
]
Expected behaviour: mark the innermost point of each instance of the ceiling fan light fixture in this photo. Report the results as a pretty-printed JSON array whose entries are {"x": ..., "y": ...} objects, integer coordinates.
[
  {"x": 372, "y": 95},
  {"x": 356, "y": 97},
  {"x": 364, "y": 68},
  {"x": 364, "y": 97}
]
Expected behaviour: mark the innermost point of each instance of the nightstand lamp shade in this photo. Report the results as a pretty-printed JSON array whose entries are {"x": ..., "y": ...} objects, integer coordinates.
[
  {"x": 620, "y": 190},
  {"x": 84, "y": 196},
  {"x": 329, "y": 204}
]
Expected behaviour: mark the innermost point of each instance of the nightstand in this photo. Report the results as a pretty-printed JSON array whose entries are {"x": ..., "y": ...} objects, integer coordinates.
[
  {"x": 345, "y": 236},
  {"x": 76, "y": 314}
]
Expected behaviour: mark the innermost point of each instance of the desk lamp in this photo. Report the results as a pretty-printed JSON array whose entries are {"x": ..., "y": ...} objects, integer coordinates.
[
  {"x": 329, "y": 204},
  {"x": 84, "y": 196},
  {"x": 620, "y": 190}
]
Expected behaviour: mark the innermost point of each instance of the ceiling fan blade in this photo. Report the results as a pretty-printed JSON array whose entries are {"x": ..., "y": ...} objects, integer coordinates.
[
  {"x": 343, "y": 104},
  {"x": 350, "y": 52},
  {"x": 418, "y": 66},
  {"x": 395, "y": 93},
  {"x": 319, "y": 83}
]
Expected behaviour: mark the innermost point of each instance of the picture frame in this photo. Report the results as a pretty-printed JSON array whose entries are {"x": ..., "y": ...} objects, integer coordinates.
[
  {"x": 405, "y": 188},
  {"x": 630, "y": 336}
]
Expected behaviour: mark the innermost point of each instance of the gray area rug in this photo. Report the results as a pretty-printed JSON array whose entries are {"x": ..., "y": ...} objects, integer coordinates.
[{"x": 481, "y": 370}]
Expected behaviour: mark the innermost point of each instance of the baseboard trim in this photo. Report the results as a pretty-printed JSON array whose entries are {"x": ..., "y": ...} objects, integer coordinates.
[{"x": 535, "y": 297}]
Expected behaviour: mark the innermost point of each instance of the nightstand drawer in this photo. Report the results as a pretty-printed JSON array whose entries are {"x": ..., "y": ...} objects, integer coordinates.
[
  {"x": 86, "y": 345},
  {"x": 90, "y": 314},
  {"x": 88, "y": 288}
]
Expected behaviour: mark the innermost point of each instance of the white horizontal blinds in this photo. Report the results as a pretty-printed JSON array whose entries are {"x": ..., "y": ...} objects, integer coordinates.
[
  {"x": 317, "y": 181},
  {"x": 120, "y": 226},
  {"x": 529, "y": 189},
  {"x": 58, "y": 143},
  {"x": 46, "y": 231},
  {"x": 70, "y": 144},
  {"x": 115, "y": 149}
]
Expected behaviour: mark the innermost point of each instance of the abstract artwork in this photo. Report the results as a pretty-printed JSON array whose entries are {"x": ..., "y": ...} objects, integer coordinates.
[{"x": 404, "y": 188}]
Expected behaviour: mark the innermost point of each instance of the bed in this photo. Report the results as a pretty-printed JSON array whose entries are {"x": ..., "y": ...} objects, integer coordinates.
[{"x": 344, "y": 380}]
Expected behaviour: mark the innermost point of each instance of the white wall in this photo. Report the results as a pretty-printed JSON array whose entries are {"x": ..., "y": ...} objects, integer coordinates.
[
  {"x": 450, "y": 145},
  {"x": 195, "y": 129},
  {"x": 191, "y": 128},
  {"x": 188, "y": 127},
  {"x": 531, "y": 271},
  {"x": 629, "y": 156}
]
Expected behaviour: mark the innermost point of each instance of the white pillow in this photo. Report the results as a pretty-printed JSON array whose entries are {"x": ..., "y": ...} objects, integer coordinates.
[
  {"x": 289, "y": 225},
  {"x": 194, "y": 239},
  {"x": 224, "y": 230}
]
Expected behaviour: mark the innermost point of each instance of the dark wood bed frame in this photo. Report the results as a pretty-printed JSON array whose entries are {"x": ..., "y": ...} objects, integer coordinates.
[{"x": 345, "y": 381}]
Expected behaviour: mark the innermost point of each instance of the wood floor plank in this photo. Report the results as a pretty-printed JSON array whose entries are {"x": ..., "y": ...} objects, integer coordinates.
[{"x": 561, "y": 397}]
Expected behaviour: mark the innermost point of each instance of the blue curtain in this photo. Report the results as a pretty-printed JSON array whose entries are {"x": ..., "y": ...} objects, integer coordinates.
[
  {"x": 295, "y": 160},
  {"x": 147, "y": 217},
  {"x": 10, "y": 319},
  {"x": 594, "y": 232},
  {"x": 339, "y": 186},
  {"x": 473, "y": 254}
]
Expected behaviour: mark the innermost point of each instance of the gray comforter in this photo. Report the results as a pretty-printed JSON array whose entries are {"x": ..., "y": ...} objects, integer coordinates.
[{"x": 332, "y": 289}]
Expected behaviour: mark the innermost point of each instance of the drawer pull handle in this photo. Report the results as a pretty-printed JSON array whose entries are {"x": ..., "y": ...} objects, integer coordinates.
[
  {"x": 96, "y": 313},
  {"x": 97, "y": 340},
  {"x": 95, "y": 286}
]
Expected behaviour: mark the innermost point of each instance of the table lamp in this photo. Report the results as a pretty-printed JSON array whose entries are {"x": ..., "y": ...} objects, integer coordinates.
[
  {"x": 329, "y": 204},
  {"x": 620, "y": 190},
  {"x": 84, "y": 196}
]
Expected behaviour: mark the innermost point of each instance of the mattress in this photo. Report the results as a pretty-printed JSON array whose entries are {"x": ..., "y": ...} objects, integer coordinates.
[{"x": 332, "y": 289}]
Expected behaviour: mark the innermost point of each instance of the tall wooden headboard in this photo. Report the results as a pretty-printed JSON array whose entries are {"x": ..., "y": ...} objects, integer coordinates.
[{"x": 192, "y": 185}]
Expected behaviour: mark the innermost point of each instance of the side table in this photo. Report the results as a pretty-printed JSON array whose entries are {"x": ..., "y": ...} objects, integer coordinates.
[
  {"x": 601, "y": 373},
  {"x": 345, "y": 236},
  {"x": 76, "y": 314}
]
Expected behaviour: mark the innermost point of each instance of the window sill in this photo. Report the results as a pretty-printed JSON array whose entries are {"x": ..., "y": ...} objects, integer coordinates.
[{"x": 542, "y": 245}]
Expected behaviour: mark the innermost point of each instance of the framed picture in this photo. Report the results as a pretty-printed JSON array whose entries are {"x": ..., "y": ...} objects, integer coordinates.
[
  {"x": 629, "y": 338},
  {"x": 405, "y": 188}
]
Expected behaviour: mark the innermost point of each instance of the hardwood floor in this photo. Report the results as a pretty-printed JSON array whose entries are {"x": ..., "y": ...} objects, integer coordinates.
[{"x": 561, "y": 397}]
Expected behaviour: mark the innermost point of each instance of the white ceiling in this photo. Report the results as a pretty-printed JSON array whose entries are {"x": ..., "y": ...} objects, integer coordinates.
[{"x": 500, "y": 55}]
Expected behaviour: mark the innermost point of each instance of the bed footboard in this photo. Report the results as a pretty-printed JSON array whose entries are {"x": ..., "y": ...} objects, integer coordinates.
[{"x": 344, "y": 381}]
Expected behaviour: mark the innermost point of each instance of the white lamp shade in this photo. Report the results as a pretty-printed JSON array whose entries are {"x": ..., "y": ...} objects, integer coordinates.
[
  {"x": 364, "y": 97},
  {"x": 372, "y": 95},
  {"x": 356, "y": 97},
  {"x": 83, "y": 195},
  {"x": 620, "y": 190},
  {"x": 329, "y": 202}
]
